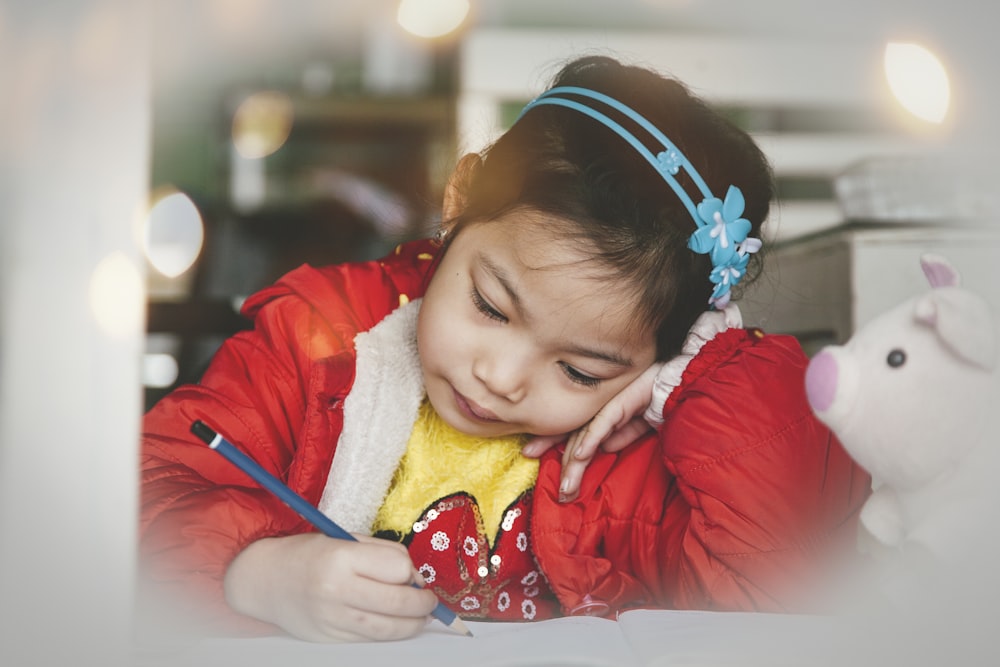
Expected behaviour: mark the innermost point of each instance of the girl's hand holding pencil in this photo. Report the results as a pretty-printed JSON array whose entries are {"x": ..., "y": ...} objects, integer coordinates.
[{"x": 321, "y": 589}]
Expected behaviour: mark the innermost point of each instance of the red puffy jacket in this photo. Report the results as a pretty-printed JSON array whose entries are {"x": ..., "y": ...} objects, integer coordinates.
[{"x": 738, "y": 501}]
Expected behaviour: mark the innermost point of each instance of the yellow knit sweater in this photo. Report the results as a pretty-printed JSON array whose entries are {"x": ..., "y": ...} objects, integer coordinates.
[{"x": 440, "y": 461}]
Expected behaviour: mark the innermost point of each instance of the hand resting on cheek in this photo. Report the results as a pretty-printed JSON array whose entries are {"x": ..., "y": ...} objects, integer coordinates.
[{"x": 617, "y": 425}]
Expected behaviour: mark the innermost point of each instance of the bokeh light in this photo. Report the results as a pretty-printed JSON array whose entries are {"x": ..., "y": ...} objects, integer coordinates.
[
  {"x": 117, "y": 296},
  {"x": 173, "y": 234},
  {"x": 918, "y": 80},
  {"x": 159, "y": 370},
  {"x": 431, "y": 18},
  {"x": 262, "y": 123}
]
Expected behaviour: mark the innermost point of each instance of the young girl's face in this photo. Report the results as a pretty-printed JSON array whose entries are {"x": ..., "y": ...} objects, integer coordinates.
[{"x": 519, "y": 332}]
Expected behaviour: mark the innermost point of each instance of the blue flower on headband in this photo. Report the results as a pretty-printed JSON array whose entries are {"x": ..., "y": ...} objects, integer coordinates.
[
  {"x": 722, "y": 232},
  {"x": 721, "y": 228},
  {"x": 670, "y": 161},
  {"x": 724, "y": 276}
]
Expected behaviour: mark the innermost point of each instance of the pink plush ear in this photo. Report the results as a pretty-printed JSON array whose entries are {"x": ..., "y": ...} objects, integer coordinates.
[
  {"x": 963, "y": 322},
  {"x": 939, "y": 272}
]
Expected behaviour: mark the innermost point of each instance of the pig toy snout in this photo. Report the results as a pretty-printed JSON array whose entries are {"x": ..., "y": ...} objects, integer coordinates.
[{"x": 821, "y": 381}]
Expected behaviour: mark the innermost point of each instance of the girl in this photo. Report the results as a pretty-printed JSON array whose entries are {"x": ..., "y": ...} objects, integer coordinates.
[{"x": 582, "y": 275}]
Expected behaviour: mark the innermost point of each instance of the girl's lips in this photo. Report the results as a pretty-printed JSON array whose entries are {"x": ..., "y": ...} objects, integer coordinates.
[{"x": 472, "y": 410}]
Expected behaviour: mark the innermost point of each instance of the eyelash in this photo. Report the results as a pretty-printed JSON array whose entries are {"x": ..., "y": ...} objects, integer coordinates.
[
  {"x": 483, "y": 306},
  {"x": 575, "y": 376},
  {"x": 578, "y": 377}
]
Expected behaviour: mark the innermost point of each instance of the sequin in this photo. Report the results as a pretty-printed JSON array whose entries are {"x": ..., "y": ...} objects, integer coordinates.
[
  {"x": 471, "y": 546},
  {"x": 440, "y": 541},
  {"x": 428, "y": 573}
]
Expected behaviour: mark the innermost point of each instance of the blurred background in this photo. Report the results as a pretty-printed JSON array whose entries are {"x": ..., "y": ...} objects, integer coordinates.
[
  {"x": 310, "y": 131},
  {"x": 161, "y": 160}
]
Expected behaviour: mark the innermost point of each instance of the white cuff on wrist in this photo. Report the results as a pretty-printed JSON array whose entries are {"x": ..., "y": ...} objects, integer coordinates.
[{"x": 708, "y": 325}]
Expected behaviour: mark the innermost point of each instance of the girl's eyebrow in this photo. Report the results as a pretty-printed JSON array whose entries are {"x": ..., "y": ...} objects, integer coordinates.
[
  {"x": 609, "y": 357},
  {"x": 501, "y": 277}
]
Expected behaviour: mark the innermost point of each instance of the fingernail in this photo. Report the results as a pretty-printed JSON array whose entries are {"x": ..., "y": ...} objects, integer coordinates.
[{"x": 564, "y": 495}]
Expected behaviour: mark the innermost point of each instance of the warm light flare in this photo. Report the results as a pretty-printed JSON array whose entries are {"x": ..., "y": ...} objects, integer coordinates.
[
  {"x": 431, "y": 18},
  {"x": 918, "y": 80},
  {"x": 262, "y": 123}
]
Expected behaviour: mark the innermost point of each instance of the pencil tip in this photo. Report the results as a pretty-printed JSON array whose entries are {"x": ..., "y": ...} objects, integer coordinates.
[{"x": 459, "y": 627}]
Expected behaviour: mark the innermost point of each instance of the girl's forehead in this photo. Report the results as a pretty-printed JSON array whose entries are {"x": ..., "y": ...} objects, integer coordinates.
[
  {"x": 548, "y": 245},
  {"x": 555, "y": 276}
]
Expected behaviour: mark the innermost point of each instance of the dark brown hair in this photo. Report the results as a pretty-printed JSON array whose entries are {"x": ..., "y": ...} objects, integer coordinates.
[{"x": 565, "y": 164}]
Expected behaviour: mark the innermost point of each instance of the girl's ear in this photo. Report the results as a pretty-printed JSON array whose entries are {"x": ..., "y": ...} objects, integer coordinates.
[{"x": 455, "y": 189}]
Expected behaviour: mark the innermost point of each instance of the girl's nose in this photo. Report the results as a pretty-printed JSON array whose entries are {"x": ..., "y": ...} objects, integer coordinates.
[{"x": 503, "y": 373}]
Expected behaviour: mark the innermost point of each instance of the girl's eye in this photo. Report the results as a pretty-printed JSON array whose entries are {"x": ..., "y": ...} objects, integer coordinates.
[
  {"x": 580, "y": 378},
  {"x": 483, "y": 306}
]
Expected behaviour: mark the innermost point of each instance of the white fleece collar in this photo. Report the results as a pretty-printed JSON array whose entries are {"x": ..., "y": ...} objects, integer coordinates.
[{"x": 379, "y": 414}]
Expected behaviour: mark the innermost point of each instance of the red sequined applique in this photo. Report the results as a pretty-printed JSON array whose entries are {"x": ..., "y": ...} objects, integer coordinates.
[{"x": 448, "y": 545}]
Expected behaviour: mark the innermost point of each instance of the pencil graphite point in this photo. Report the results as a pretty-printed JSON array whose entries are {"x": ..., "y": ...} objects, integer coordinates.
[{"x": 458, "y": 626}]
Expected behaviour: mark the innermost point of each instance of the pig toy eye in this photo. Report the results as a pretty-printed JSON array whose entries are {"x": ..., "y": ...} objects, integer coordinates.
[{"x": 896, "y": 358}]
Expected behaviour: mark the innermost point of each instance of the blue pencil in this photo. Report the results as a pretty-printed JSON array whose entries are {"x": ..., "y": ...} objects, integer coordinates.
[{"x": 299, "y": 504}]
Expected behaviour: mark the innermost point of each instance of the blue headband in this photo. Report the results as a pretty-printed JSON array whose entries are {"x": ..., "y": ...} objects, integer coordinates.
[{"x": 721, "y": 233}]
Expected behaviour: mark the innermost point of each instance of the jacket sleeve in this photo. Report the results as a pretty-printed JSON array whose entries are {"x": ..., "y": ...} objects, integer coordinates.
[
  {"x": 276, "y": 392},
  {"x": 765, "y": 499},
  {"x": 738, "y": 502},
  {"x": 197, "y": 510}
]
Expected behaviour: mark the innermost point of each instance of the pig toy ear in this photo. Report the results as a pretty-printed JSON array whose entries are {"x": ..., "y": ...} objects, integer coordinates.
[
  {"x": 939, "y": 272},
  {"x": 963, "y": 322}
]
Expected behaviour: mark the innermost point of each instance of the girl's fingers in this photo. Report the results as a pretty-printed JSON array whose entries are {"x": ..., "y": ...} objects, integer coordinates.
[
  {"x": 613, "y": 428},
  {"x": 382, "y": 601},
  {"x": 392, "y": 600},
  {"x": 540, "y": 444},
  {"x": 384, "y": 561},
  {"x": 574, "y": 462},
  {"x": 579, "y": 453},
  {"x": 626, "y": 435},
  {"x": 604, "y": 423},
  {"x": 340, "y": 589},
  {"x": 572, "y": 474},
  {"x": 354, "y": 624},
  {"x": 619, "y": 414}
]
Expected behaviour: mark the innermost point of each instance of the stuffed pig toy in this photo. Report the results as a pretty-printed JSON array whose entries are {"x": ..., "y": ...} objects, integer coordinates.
[{"x": 913, "y": 398}]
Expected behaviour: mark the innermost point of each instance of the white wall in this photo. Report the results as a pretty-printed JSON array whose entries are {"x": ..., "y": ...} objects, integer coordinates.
[{"x": 73, "y": 175}]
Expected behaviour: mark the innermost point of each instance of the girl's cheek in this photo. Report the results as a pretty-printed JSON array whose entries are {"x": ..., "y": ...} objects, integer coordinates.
[{"x": 567, "y": 414}]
